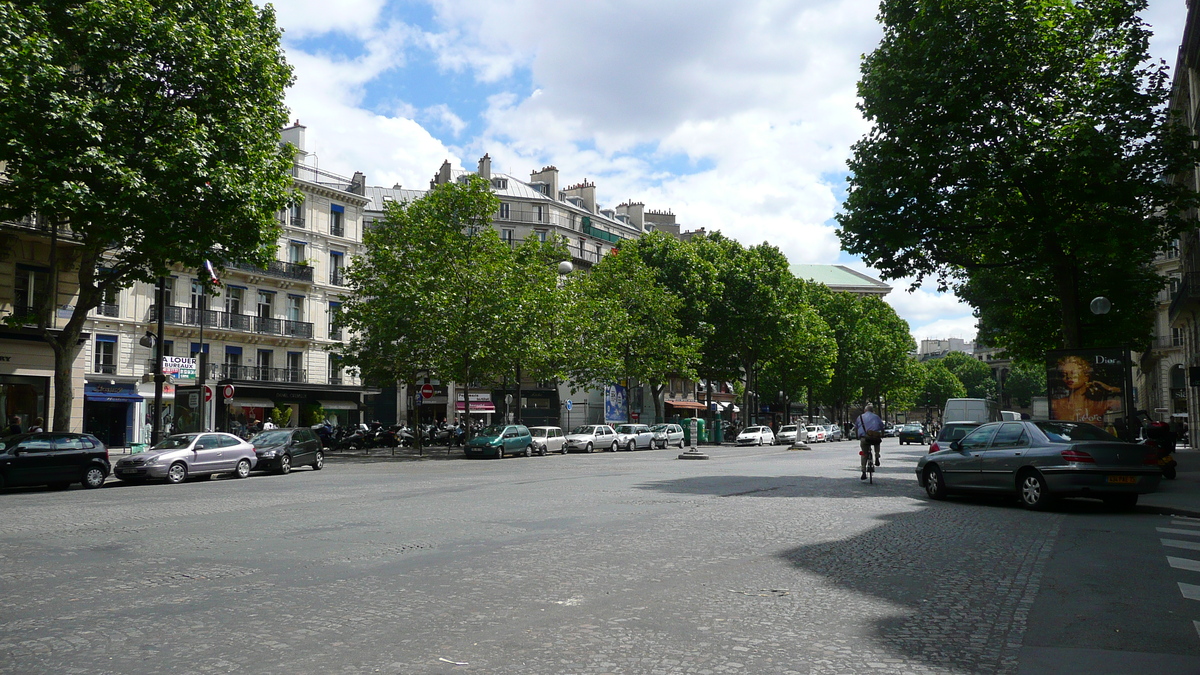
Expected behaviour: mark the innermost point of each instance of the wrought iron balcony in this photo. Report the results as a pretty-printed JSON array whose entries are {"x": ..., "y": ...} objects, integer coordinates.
[
  {"x": 108, "y": 310},
  {"x": 246, "y": 323},
  {"x": 280, "y": 269},
  {"x": 228, "y": 371},
  {"x": 337, "y": 276}
]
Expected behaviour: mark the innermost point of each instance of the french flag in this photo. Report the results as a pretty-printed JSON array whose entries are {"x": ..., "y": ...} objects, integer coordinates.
[{"x": 212, "y": 273}]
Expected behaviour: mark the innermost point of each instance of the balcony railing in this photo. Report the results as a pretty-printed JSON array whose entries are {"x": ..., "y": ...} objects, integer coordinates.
[
  {"x": 108, "y": 310},
  {"x": 106, "y": 368},
  {"x": 337, "y": 276},
  {"x": 297, "y": 221},
  {"x": 578, "y": 253},
  {"x": 337, "y": 229},
  {"x": 335, "y": 333},
  {"x": 279, "y": 268},
  {"x": 246, "y": 323},
  {"x": 228, "y": 371},
  {"x": 324, "y": 178}
]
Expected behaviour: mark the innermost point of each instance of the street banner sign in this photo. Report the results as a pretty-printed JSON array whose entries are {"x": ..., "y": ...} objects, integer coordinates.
[{"x": 179, "y": 367}]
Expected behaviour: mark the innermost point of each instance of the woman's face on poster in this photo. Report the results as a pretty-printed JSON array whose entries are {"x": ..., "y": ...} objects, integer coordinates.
[{"x": 1073, "y": 374}]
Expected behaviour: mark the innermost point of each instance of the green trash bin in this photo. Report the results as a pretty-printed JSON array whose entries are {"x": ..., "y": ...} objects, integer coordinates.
[
  {"x": 702, "y": 429},
  {"x": 135, "y": 448}
]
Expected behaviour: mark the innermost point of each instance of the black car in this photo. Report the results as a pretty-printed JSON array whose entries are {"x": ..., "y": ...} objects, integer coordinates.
[
  {"x": 54, "y": 459},
  {"x": 281, "y": 449}
]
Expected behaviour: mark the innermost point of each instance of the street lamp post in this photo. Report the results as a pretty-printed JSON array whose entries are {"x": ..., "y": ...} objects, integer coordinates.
[{"x": 154, "y": 341}]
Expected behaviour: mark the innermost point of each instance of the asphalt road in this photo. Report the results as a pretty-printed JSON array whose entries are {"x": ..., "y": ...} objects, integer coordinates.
[{"x": 759, "y": 560}]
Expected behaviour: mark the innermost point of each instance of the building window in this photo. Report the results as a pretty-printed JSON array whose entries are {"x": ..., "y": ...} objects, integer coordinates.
[
  {"x": 295, "y": 367},
  {"x": 110, "y": 303},
  {"x": 337, "y": 275},
  {"x": 295, "y": 308},
  {"x": 297, "y": 215},
  {"x": 500, "y": 183},
  {"x": 235, "y": 298},
  {"x": 336, "y": 215},
  {"x": 263, "y": 370},
  {"x": 169, "y": 291},
  {"x": 266, "y": 305},
  {"x": 335, "y": 318},
  {"x": 168, "y": 348},
  {"x": 507, "y": 235},
  {"x": 335, "y": 369},
  {"x": 296, "y": 252},
  {"x": 199, "y": 297},
  {"x": 1176, "y": 337},
  {"x": 504, "y": 214},
  {"x": 106, "y": 354},
  {"x": 539, "y": 212},
  {"x": 233, "y": 363},
  {"x": 30, "y": 284},
  {"x": 541, "y": 235}
]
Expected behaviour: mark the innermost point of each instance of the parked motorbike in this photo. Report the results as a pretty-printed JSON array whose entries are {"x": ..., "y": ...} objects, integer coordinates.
[
  {"x": 1158, "y": 437},
  {"x": 358, "y": 439}
]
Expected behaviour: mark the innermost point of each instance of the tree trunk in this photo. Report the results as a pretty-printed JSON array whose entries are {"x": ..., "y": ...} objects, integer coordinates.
[
  {"x": 656, "y": 390},
  {"x": 1066, "y": 281}
]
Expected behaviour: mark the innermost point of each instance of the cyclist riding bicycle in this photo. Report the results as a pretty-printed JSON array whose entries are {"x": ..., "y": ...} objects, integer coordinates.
[{"x": 870, "y": 433}]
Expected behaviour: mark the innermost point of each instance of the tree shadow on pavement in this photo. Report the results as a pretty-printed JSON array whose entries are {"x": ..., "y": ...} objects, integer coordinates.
[{"x": 946, "y": 585}]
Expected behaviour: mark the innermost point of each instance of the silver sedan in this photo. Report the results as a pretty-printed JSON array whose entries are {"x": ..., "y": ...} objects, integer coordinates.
[
  {"x": 1040, "y": 462},
  {"x": 181, "y": 455}
]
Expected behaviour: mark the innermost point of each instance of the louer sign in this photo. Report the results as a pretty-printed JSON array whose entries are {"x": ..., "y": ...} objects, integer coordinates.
[{"x": 179, "y": 367}]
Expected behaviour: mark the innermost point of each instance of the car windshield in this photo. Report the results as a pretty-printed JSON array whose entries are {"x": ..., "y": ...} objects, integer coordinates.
[
  {"x": 276, "y": 437},
  {"x": 537, "y": 433},
  {"x": 493, "y": 430},
  {"x": 626, "y": 429},
  {"x": 1074, "y": 431},
  {"x": 790, "y": 427},
  {"x": 584, "y": 430},
  {"x": 175, "y": 442},
  {"x": 658, "y": 427},
  {"x": 955, "y": 432},
  {"x": 810, "y": 428},
  {"x": 911, "y": 427}
]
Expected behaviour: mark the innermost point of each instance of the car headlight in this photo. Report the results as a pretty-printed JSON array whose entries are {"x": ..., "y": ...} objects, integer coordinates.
[{"x": 268, "y": 454}]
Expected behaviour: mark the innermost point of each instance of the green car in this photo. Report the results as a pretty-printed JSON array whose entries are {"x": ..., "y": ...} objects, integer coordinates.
[{"x": 499, "y": 440}]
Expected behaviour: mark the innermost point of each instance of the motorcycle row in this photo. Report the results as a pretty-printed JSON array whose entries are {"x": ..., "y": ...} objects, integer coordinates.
[{"x": 375, "y": 435}]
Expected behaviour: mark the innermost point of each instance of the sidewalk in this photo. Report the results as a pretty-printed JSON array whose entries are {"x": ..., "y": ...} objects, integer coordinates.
[{"x": 1180, "y": 496}]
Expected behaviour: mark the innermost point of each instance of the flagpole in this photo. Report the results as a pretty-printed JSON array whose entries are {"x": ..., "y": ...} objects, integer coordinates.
[{"x": 203, "y": 363}]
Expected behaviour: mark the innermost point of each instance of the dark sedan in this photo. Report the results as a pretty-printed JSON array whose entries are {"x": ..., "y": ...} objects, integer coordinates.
[
  {"x": 913, "y": 433},
  {"x": 1040, "y": 462},
  {"x": 281, "y": 449}
]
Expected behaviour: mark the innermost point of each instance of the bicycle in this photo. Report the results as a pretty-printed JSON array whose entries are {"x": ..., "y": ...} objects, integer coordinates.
[{"x": 870, "y": 470}]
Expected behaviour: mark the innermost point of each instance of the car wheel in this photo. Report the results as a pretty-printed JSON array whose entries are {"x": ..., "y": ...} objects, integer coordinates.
[
  {"x": 613, "y": 447},
  {"x": 1121, "y": 501},
  {"x": 1031, "y": 490},
  {"x": 632, "y": 446},
  {"x": 285, "y": 464},
  {"x": 589, "y": 448},
  {"x": 177, "y": 473},
  {"x": 318, "y": 461},
  {"x": 529, "y": 451},
  {"x": 93, "y": 477},
  {"x": 564, "y": 449},
  {"x": 760, "y": 441},
  {"x": 243, "y": 468},
  {"x": 935, "y": 485},
  {"x": 1169, "y": 472},
  {"x": 681, "y": 444},
  {"x": 500, "y": 452}
]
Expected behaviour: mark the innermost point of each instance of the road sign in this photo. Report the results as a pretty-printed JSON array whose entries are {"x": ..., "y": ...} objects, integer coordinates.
[
  {"x": 208, "y": 393},
  {"x": 427, "y": 390},
  {"x": 419, "y": 397},
  {"x": 635, "y": 416},
  {"x": 227, "y": 392},
  {"x": 569, "y": 405}
]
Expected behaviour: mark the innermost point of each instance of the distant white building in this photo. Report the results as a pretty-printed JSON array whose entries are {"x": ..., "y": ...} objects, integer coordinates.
[{"x": 936, "y": 349}]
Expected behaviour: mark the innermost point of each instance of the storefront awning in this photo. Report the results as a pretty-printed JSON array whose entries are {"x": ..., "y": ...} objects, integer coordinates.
[
  {"x": 691, "y": 405},
  {"x": 252, "y": 403},
  {"x": 476, "y": 407},
  {"x": 338, "y": 405}
]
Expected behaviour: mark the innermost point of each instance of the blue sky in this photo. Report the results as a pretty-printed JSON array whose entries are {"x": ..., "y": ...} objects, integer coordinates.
[{"x": 737, "y": 117}]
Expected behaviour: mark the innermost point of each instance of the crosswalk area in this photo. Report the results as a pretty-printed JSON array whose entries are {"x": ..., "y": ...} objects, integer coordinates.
[{"x": 1181, "y": 539}]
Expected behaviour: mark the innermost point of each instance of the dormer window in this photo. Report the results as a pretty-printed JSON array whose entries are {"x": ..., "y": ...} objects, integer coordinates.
[
  {"x": 463, "y": 179},
  {"x": 500, "y": 183}
]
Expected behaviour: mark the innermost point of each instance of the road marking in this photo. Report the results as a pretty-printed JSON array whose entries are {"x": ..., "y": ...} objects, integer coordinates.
[
  {"x": 1192, "y": 523},
  {"x": 1171, "y": 530},
  {"x": 1190, "y": 591},
  {"x": 1184, "y": 564},
  {"x": 1197, "y": 625},
  {"x": 1189, "y": 545}
]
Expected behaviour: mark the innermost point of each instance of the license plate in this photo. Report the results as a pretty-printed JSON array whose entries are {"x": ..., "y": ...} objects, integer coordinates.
[{"x": 1124, "y": 480}]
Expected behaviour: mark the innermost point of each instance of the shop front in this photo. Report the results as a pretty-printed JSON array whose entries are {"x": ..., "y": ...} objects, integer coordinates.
[
  {"x": 482, "y": 407},
  {"x": 27, "y": 378},
  {"x": 111, "y": 412},
  {"x": 252, "y": 406}
]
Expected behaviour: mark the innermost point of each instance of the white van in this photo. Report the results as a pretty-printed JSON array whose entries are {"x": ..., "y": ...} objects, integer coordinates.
[{"x": 978, "y": 410}]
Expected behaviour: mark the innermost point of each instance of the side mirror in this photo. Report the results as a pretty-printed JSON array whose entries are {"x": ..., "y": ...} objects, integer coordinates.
[{"x": 956, "y": 446}]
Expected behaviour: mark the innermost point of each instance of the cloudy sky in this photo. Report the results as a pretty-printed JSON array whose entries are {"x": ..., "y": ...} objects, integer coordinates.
[{"x": 737, "y": 116}]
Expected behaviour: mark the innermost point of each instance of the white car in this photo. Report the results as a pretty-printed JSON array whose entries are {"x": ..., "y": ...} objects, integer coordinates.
[
  {"x": 668, "y": 434},
  {"x": 634, "y": 436},
  {"x": 816, "y": 433},
  {"x": 592, "y": 437},
  {"x": 179, "y": 456},
  {"x": 756, "y": 436},
  {"x": 548, "y": 439},
  {"x": 787, "y": 433}
]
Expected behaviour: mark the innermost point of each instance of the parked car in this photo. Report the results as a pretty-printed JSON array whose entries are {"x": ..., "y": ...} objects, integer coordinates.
[
  {"x": 756, "y": 436},
  {"x": 281, "y": 449},
  {"x": 179, "y": 456},
  {"x": 54, "y": 459},
  {"x": 499, "y": 440},
  {"x": 913, "y": 433},
  {"x": 592, "y": 437},
  {"x": 548, "y": 439},
  {"x": 668, "y": 434},
  {"x": 816, "y": 433},
  {"x": 1040, "y": 462},
  {"x": 951, "y": 431},
  {"x": 833, "y": 432},
  {"x": 891, "y": 431},
  {"x": 787, "y": 433},
  {"x": 634, "y": 436}
]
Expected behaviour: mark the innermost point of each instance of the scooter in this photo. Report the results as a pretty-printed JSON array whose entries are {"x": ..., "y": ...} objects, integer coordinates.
[{"x": 1159, "y": 437}]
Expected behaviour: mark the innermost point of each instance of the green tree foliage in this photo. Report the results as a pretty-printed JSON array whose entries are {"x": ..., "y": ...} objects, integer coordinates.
[
  {"x": 147, "y": 133},
  {"x": 940, "y": 384},
  {"x": 1025, "y": 380},
  {"x": 1016, "y": 155},
  {"x": 807, "y": 355},
  {"x": 628, "y": 326},
  {"x": 974, "y": 374}
]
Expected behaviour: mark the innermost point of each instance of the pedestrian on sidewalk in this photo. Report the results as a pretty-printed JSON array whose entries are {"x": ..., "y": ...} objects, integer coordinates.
[{"x": 870, "y": 433}]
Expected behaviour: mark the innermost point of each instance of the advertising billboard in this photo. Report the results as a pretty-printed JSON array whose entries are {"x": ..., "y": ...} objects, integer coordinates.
[
  {"x": 616, "y": 403},
  {"x": 1089, "y": 385},
  {"x": 179, "y": 367}
]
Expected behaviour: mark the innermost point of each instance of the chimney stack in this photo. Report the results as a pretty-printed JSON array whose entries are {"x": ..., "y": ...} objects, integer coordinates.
[{"x": 485, "y": 167}]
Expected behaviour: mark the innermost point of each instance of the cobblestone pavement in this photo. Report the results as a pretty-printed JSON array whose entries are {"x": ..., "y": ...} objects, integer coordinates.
[{"x": 759, "y": 560}]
